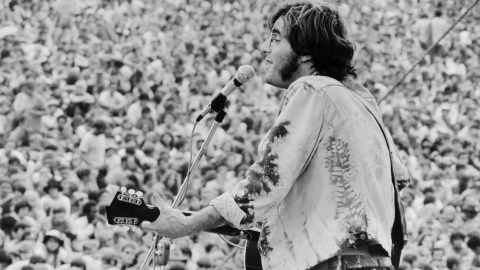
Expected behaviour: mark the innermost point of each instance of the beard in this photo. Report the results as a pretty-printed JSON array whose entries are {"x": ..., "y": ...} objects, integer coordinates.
[{"x": 288, "y": 66}]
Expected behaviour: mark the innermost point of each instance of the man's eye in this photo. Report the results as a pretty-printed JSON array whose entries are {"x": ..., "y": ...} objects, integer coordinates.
[{"x": 276, "y": 37}]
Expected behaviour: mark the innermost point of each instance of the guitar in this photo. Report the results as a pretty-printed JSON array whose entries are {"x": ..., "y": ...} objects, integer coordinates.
[{"x": 129, "y": 208}]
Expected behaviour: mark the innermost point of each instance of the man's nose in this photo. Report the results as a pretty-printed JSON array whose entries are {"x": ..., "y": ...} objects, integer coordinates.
[{"x": 265, "y": 48}]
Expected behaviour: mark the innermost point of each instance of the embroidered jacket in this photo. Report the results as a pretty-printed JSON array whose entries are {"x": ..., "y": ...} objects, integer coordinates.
[{"x": 323, "y": 178}]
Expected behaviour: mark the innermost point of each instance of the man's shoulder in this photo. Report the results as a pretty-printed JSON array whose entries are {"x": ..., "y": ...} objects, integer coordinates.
[
  {"x": 316, "y": 82},
  {"x": 332, "y": 87}
]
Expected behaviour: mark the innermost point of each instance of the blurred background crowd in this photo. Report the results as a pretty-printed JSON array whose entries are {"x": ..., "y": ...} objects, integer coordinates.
[{"x": 98, "y": 94}]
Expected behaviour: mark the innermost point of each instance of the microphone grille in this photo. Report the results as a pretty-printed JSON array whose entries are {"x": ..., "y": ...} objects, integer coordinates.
[{"x": 245, "y": 73}]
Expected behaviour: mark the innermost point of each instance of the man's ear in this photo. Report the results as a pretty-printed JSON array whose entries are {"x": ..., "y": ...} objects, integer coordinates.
[{"x": 305, "y": 58}]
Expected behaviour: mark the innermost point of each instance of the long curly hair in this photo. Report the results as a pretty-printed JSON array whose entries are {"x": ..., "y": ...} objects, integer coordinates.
[{"x": 317, "y": 30}]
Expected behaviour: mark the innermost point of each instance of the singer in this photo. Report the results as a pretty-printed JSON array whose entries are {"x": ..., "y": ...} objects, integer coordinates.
[{"x": 324, "y": 189}]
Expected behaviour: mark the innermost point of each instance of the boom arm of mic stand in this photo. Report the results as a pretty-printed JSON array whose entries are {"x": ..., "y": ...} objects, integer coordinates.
[{"x": 183, "y": 191}]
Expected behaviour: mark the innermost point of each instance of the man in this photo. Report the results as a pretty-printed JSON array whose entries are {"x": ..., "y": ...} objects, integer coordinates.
[
  {"x": 111, "y": 99},
  {"x": 57, "y": 221},
  {"x": 84, "y": 226},
  {"x": 110, "y": 258},
  {"x": 439, "y": 25},
  {"x": 18, "y": 231},
  {"x": 134, "y": 112},
  {"x": 9, "y": 151},
  {"x": 92, "y": 145},
  {"x": 322, "y": 189},
  {"x": 22, "y": 213},
  {"x": 5, "y": 259},
  {"x": 80, "y": 101},
  {"x": 6, "y": 197},
  {"x": 458, "y": 249},
  {"x": 470, "y": 216},
  {"x": 63, "y": 132},
  {"x": 54, "y": 198},
  {"x": 474, "y": 244},
  {"x": 29, "y": 107},
  {"x": 23, "y": 251}
]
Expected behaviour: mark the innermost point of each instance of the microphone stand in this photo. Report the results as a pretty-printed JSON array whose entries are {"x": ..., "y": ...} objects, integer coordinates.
[{"x": 161, "y": 247}]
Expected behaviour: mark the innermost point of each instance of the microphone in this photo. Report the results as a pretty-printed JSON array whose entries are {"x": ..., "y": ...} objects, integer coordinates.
[{"x": 244, "y": 73}]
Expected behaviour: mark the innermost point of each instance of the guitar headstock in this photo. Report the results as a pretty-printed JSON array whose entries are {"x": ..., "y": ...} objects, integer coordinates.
[{"x": 129, "y": 208}]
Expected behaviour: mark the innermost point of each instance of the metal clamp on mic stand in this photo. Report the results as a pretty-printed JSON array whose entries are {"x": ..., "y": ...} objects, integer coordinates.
[{"x": 161, "y": 247}]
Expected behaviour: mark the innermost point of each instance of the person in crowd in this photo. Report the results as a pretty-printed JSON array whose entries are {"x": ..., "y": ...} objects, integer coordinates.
[
  {"x": 453, "y": 263},
  {"x": 53, "y": 198},
  {"x": 471, "y": 219},
  {"x": 22, "y": 212},
  {"x": 87, "y": 183},
  {"x": 6, "y": 196},
  {"x": 53, "y": 248},
  {"x": 473, "y": 243},
  {"x": 85, "y": 224},
  {"x": 10, "y": 150},
  {"x": 5, "y": 259},
  {"x": 80, "y": 102},
  {"x": 29, "y": 106},
  {"x": 16, "y": 234},
  {"x": 129, "y": 253},
  {"x": 92, "y": 146},
  {"x": 458, "y": 249},
  {"x": 111, "y": 99},
  {"x": 134, "y": 112},
  {"x": 22, "y": 255},
  {"x": 58, "y": 221},
  {"x": 110, "y": 259},
  {"x": 63, "y": 131}
]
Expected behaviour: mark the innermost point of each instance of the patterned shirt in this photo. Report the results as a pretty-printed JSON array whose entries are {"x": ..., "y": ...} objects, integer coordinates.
[{"x": 322, "y": 179}]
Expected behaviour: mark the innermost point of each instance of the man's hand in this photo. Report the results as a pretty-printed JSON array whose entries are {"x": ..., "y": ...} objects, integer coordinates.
[{"x": 171, "y": 223}]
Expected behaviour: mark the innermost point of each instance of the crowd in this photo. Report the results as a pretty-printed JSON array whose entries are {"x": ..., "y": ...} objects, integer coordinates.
[{"x": 100, "y": 94}]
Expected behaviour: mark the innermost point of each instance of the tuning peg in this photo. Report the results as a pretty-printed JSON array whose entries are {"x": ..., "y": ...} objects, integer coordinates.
[
  {"x": 123, "y": 189},
  {"x": 131, "y": 191},
  {"x": 139, "y": 193}
]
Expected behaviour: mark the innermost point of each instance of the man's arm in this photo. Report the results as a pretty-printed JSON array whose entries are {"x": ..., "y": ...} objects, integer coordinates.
[
  {"x": 286, "y": 150},
  {"x": 173, "y": 224},
  {"x": 206, "y": 219}
]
